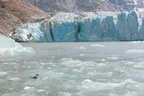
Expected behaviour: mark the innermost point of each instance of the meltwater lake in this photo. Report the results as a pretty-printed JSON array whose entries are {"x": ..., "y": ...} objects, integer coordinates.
[{"x": 76, "y": 69}]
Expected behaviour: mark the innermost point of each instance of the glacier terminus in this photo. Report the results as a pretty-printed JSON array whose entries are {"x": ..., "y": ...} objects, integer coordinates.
[{"x": 84, "y": 27}]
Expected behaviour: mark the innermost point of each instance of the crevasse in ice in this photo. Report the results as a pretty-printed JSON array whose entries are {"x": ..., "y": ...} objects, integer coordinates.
[
  {"x": 9, "y": 48},
  {"x": 70, "y": 27}
]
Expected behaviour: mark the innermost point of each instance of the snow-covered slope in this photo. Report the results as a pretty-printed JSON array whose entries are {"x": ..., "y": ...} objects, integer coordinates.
[{"x": 70, "y": 27}]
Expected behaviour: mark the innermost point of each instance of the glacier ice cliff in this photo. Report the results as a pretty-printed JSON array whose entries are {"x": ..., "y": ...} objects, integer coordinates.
[{"x": 70, "y": 27}]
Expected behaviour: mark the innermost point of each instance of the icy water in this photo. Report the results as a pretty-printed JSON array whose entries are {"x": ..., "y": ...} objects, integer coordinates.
[{"x": 76, "y": 69}]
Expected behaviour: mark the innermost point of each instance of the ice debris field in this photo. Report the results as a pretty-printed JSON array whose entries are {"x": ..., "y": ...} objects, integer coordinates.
[
  {"x": 83, "y": 27},
  {"x": 76, "y": 69}
]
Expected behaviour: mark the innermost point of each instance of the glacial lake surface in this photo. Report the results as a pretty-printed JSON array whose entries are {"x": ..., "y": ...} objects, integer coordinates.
[{"x": 76, "y": 69}]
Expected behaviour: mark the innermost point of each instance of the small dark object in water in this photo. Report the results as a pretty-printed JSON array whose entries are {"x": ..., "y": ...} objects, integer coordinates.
[{"x": 35, "y": 77}]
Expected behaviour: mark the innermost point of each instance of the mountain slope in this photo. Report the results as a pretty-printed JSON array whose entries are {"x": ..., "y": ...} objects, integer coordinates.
[
  {"x": 74, "y": 5},
  {"x": 128, "y": 4},
  {"x": 16, "y": 12},
  {"x": 87, "y": 5}
]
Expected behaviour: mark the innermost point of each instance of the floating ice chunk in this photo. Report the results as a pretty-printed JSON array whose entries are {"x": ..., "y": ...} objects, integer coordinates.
[
  {"x": 103, "y": 60},
  {"x": 87, "y": 81},
  {"x": 131, "y": 94},
  {"x": 113, "y": 58},
  {"x": 97, "y": 45},
  {"x": 136, "y": 42},
  {"x": 82, "y": 48},
  {"x": 139, "y": 66},
  {"x": 81, "y": 55},
  {"x": 41, "y": 90},
  {"x": 9, "y": 48},
  {"x": 28, "y": 88},
  {"x": 14, "y": 79},
  {"x": 64, "y": 94},
  {"x": 69, "y": 62},
  {"x": 88, "y": 85},
  {"x": 135, "y": 51},
  {"x": 101, "y": 65},
  {"x": 130, "y": 63},
  {"x": 3, "y": 73},
  {"x": 128, "y": 81}
]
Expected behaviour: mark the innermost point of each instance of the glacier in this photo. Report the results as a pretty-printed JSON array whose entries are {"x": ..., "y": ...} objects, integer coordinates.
[
  {"x": 84, "y": 27},
  {"x": 9, "y": 48}
]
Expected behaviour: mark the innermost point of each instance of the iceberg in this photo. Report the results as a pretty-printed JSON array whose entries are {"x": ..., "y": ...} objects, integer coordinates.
[
  {"x": 84, "y": 27},
  {"x": 9, "y": 48}
]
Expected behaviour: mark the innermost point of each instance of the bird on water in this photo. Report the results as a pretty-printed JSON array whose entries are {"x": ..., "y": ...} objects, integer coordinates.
[{"x": 35, "y": 77}]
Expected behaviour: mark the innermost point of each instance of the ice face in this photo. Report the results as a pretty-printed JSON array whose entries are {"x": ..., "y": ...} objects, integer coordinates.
[
  {"x": 141, "y": 31},
  {"x": 122, "y": 26},
  {"x": 9, "y": 48},
  {"x": 132, "y": 25},
  {"x": 70, "y": 27},
  {"x": 109, "y": 30},
  {"x": 28, "y": 32},
  {"x": 61, "y": 28}
]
